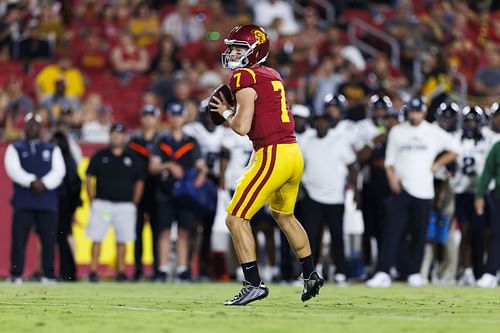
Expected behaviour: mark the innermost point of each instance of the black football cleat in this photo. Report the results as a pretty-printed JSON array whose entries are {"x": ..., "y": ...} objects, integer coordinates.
[
  {"x": 249, "y": 293},
  {"x": 312, "y": 286}
]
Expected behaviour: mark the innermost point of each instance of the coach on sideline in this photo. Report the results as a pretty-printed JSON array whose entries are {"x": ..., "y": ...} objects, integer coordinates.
[
  {"x": 37, "y": 168},
  {"x": 119, "y": 186},
  {"x": 410, "y": 162}
]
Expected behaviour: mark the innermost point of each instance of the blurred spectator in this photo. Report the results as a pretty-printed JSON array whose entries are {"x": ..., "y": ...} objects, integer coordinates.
[
  {"x": 87, "y": 17},
  {"x": 46, "y": 80},
  {"x": 93, "y": 57},
  {"x": 382, "y": 77},
  {"x": 97, "y": 130},
  {"x": 182, "y": 25},
  {"x": 36, "y": 169},
  {"x": 91, "y": 104},
  {"x": 109, "y": 28},
  {"x": 10, "y": 31},
  {"x": 325, "y": 80},
  {"x": 167, "y": 52},
  {"x": 437, "y": 81},
  {"x": 59, "y": 100},
  {"x": 66, "y": 126},
  {"x": 51, "y": 25},
  {"x": 34, "y": 45},
  {"x": 356, "y": 91},
  {"x": 176, "y": 156},
  {"x": 119, "y": 184},
  {"x": 218, "y": 23},
  {"x": 144, "y": 25},
  {"x": 18, "y": 105},
  {"x": 267, "y": 11},
  {"x": 487, "y": 78},
  {"x": 69, "y": 199},
  {"x": 127, "y": 58},
  {"x": 240, "y": 10}
]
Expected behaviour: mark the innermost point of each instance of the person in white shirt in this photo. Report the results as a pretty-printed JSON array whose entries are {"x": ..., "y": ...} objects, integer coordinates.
[
  {"x": 470, "y": 164},
  {"x": 410, "y": 162},
  {"x": 329, "y": 168}
]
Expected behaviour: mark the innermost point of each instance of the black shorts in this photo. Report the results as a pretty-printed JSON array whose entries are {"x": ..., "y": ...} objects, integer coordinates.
[{"x": 168, "y": 212}]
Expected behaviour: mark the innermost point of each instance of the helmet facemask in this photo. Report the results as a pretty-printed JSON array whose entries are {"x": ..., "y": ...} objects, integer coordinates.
[{"x": 244, "y": 60}]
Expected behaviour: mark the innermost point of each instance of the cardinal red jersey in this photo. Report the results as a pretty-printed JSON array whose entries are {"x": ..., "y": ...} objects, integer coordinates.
[{"x": 272, "y": 121}]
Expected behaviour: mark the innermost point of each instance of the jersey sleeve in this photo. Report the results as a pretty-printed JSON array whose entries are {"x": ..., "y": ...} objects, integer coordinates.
[
  {"x": 449, "y": 142},
  {"x": 92, "y": 168},
  {"x": 242, "y": 78}
]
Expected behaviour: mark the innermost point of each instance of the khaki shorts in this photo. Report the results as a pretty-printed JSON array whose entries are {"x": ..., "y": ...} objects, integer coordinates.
[{"x": 103, "y": 213}]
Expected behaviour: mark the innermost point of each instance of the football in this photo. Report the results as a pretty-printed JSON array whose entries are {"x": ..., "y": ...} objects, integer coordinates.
[{"x": 223, "y": 89}]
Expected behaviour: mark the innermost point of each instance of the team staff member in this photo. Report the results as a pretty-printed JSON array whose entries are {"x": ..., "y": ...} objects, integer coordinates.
[
  {"x": 143, "y": 143},
  {"x": 491, "y": 171},
  {"x": 410, "y": 162},
  {"x": 174, "y": 155},
  {"x": 118, "y": 190},
  {"x": 325, "y": 153},
  {"x": 276, "y": 168},
  {"x": 36, "y": 168}
]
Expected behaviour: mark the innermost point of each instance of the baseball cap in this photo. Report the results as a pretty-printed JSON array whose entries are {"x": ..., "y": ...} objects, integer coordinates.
[
  {"x": 175, "y": 109},
  {"x": 416, "y": 103},
  {"x": 150, "y": 110},
  {"x": 300, "y": 110},
  {"x": 118, "y": 127}
]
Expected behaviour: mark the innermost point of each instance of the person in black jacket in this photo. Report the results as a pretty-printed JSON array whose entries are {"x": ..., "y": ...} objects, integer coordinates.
[{"x": 69, "y": 200}]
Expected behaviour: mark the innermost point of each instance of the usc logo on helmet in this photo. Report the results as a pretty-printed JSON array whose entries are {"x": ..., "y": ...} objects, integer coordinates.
[{"x": 259, "y": 35}]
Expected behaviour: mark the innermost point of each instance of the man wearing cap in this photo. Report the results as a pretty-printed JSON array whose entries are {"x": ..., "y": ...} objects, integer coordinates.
[
  {"x": 410, "y": 162},
  {"x": 173, "y": 157},
  {"x": 36, "y": 169},
  {"x": 143, "y": 143},
  {"x": 119, "y": 183}
]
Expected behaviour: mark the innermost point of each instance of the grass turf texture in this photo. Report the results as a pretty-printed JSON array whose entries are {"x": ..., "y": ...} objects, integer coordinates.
[{"x": 148, "y": 307}]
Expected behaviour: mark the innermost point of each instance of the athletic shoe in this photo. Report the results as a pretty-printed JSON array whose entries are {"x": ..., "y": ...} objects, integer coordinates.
[
  {"x": 93, "y": 277},
  {"x": 121, "y": 277},
  {"x": 487, "y": 281},
  {"x": 138, "y": 276},
  {"x": 47, "y": 280},
  {"x": 379, "y": 280},
  {"x": 15, "y": 280},
  {"x": 249, "y": 293},
  {"x": 311, "y": 286},
  {"x": 162, "y": 277},
  {"x": 468, "y": 278},
  {"x": 184, "y": 276},
  {"x": 416, "y": 280},
  {"x": 340, "y": 279}
]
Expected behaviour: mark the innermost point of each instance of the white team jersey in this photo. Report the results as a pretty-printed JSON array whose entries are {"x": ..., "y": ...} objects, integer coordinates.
[
  {"x": 365, "y": 131},
  {"x": 241, "y": 150},
  {"x": 470, "y": 164},
  {"x": 411, "y": 150},
  {"x": 210, "y": 143},
  {"x": 325, "y": 166},
  {"x": 301, "y": 136}
]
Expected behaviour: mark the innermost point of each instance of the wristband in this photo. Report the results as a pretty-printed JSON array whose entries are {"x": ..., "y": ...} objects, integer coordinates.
[{"x": 226, "y": 114}]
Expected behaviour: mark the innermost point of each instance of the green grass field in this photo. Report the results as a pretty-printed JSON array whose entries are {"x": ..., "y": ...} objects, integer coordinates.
[{"x": 148, "y": 307}]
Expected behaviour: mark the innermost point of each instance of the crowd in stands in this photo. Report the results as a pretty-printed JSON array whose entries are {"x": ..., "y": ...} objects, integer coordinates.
[{"x": 84, "y": 65}]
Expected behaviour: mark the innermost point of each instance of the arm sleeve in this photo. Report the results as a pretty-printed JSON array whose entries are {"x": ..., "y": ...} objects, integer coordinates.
[
  {"x": 488, "y": 171},
  {"x": 14, "y": 169},
  {"x": 390, "y": 152},
  {"x": 348, "y": 154},
  {"x": 56, "y": 174},
  {"x": 92, "y": 168}
]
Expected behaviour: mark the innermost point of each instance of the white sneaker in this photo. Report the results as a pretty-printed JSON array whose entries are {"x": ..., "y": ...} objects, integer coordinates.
[
  {"x": 15, "y": 280},
  {"x": 468, "y": 278},
  {"x": 379, "y": 280},
  {"x": 340, "y": 279},
  {"x": 46, "y": 280},
  {"x": 416, "y": 280},
  {"x": 487, "y": 281}
]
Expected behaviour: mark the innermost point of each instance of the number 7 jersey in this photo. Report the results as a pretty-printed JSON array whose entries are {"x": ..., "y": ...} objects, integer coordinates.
[{"x": 272, "y": 120}]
